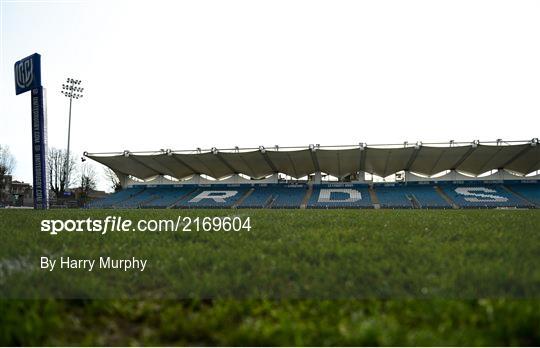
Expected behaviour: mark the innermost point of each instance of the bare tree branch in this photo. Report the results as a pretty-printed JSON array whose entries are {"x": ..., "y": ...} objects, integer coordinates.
[
  {"x": 87, "y": 177},
  {"x": 113, "y": 180},
  {"x": 60, "y": 175},
  {"x": 7, "y": 165},
  {"x": 7, "y": 161}
]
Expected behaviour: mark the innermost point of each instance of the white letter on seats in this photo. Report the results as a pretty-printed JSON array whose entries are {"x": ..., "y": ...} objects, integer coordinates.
[
  {"x": 354, "y": 196},
  {"x": 473, "y": 196},
  {"x": 217, "y": 196}
]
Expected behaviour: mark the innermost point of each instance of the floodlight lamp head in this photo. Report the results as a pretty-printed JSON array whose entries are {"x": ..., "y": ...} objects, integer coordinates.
[
  {"x": 534, "y": 142},
  {"x": 126, "y": 153},
  {"x": 262, "y": 149}
]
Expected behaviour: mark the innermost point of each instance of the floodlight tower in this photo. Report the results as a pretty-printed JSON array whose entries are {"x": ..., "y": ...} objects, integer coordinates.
[{"x": 71, "y": 89}]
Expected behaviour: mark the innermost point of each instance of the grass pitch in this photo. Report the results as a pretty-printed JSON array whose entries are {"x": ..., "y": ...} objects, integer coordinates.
[{"x": 337, "y": 277}]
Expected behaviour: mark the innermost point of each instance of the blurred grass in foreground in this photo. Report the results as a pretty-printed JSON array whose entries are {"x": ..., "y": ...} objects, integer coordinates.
[{"x": 259, "y": 322}]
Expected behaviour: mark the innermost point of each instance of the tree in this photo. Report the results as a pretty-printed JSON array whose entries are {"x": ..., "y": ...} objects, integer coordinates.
[
  {"x": 60, "y": 176},
  {"x": 87, "y": 177},
  {"x": 7, "y": 164},
  {"x": 87, "y": 182},
  {"x": 112, "y": 178}
]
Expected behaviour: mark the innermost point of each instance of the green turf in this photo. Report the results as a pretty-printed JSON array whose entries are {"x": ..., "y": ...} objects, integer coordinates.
[
  {"x": 303, "y": 257},
  {"x": 256, "y": 322}
]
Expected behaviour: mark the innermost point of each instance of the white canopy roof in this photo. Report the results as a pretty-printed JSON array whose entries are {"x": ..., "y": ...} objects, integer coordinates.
[{"x": 429, "y": 159}]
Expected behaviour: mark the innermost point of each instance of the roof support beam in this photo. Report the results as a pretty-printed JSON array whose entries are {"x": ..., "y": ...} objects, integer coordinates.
[
  {"x": 292, "y": 165},
  {"x": 185, "y": 164},
  {"x": 315, "y": 160},
  {"x": 463, "y": 158},
  {"x": 166, "y": 166},
  {"x": 247, "y": 165},
  {"x": 414, "y": 154},
  {"x": 340, "y": 176},
  {"x": 533, "y": 167},
  {"x": 212, "y": 173},
  {"x": 386, "y": 164},
  {"x": 145, "y": 165},
  {"x": 362, "y": 160},
  {"x": 436, "y": 163},
  {"x": 518, "y": 155},
  {"x": 484, "y": 167},
  {"x": 269, "y": 161},
  {"x": 227, "y": 164}
]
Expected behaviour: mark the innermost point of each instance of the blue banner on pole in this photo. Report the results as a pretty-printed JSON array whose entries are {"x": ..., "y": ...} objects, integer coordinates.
[
  {"x": 28, "y": 78},
  {"x": 39, "y": 148},
  {"x": 28, "y": 73}
]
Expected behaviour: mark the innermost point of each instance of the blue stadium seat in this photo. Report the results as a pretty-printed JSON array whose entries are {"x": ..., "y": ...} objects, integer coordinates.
[
  {"x": 410, "y": 196},
  {"x": 137, "y": 200},
  {"x": 427, "y": 197},
  {"x": 275, "y": 196},
  {"x": 261, "y": 197},
  {"x": 215, "y": 196},
  {"x": 393, "y": 197},
  {"x": 288, "y": 196},
  {"x": 111, "y": 201},
  {"x": 529, "y": 191},
  {"x": 340, "y": 196},
  {"x": 331, "y": 195},
  {"x": 166, "y": 197},
  {"x": 481, "y": 195}
]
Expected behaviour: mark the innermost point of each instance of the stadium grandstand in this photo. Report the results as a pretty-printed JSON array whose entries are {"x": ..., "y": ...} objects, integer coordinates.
[{"x": 499, "y": 174}]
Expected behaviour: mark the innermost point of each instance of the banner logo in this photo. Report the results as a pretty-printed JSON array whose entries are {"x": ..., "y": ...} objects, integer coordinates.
[
  {"x": 28, "y": 74},
  {"x": 24, "y": 73}
]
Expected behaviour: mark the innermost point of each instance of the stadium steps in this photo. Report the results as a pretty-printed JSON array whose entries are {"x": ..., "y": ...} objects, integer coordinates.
[
  {"x": 512, "y": 192},
  {"x": 243, "y": 198},
  {"x": 271, "y": 201},
  {"x": 305, "y": 201},
  {"x": 445, "y": 197},
  {"x": 143, "y": 203},
  {"x": 115, "y": 205},
  {"x": 374, "y": 198},
  {"x": 181, "y": 198},
  {"x": 414, "y": 201}
]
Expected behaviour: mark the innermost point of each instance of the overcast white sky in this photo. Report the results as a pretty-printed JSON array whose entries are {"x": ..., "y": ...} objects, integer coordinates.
[{"x": 187, "y": 74}]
